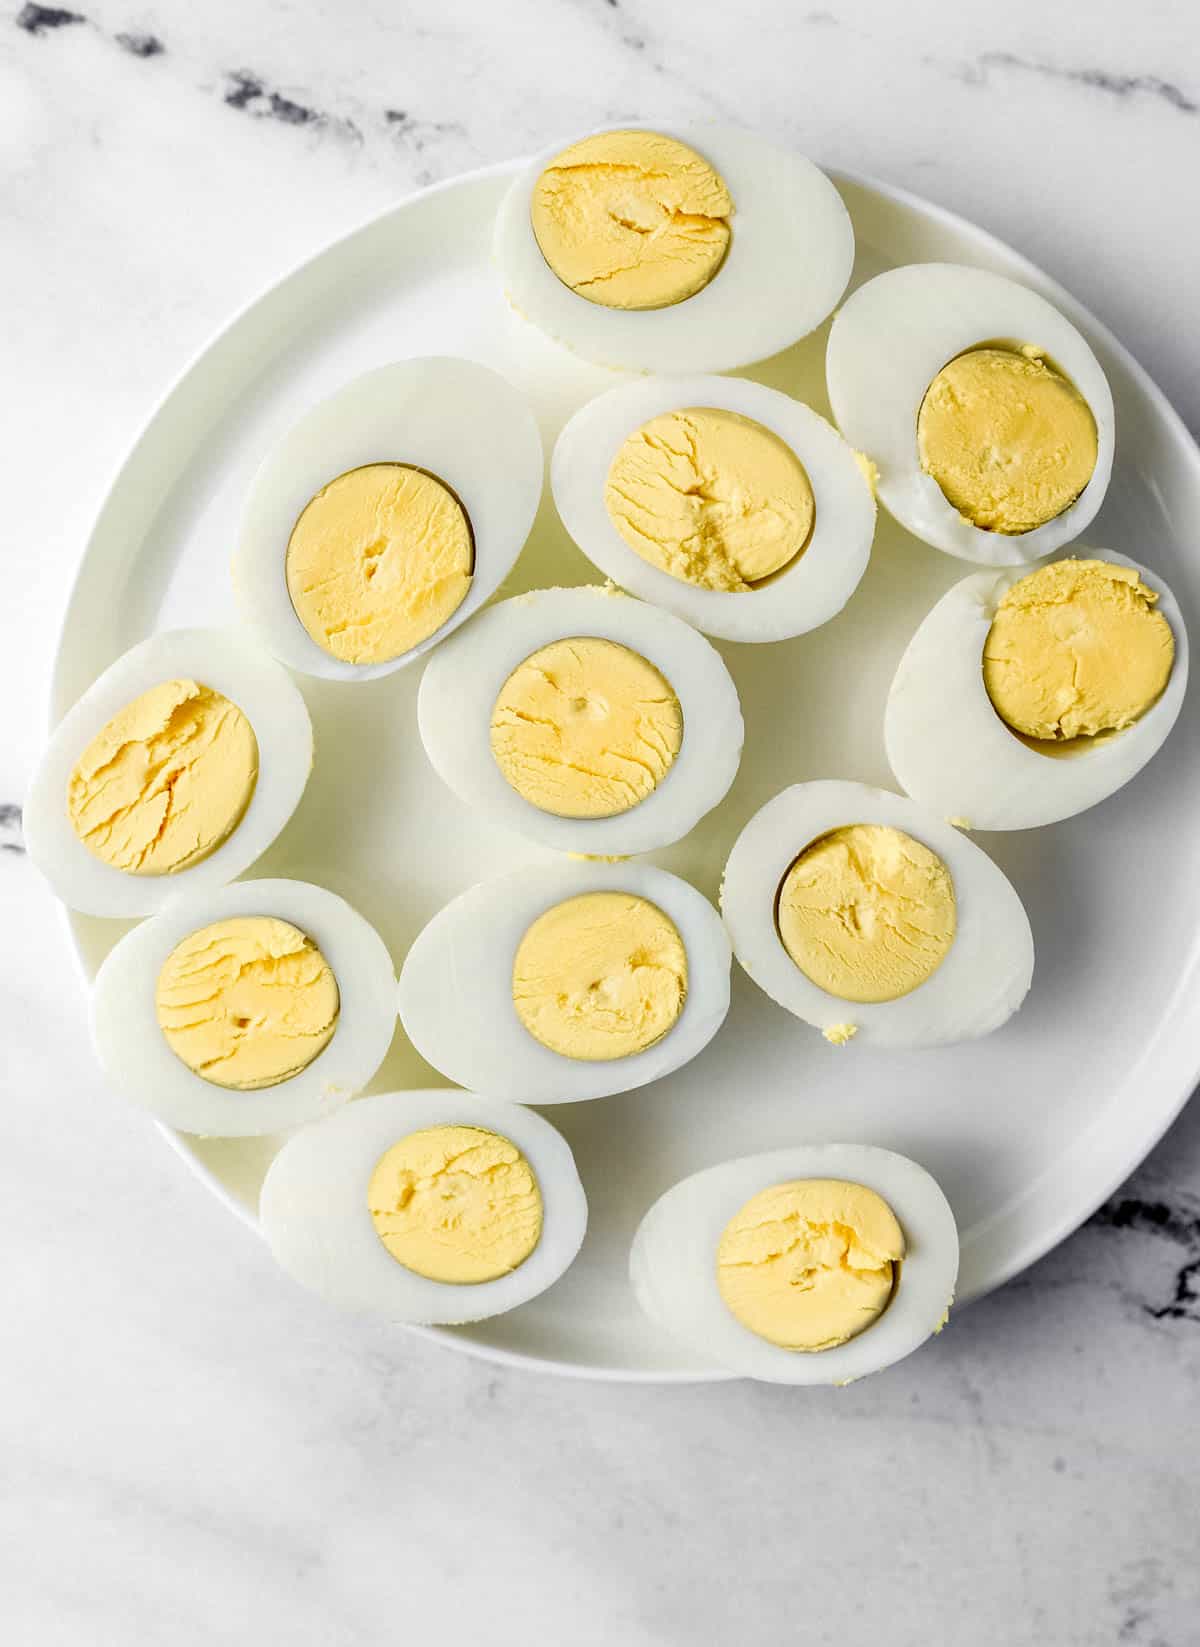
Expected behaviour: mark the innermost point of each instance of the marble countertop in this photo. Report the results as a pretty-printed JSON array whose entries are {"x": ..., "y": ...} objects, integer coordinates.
[{"x": 187, "y": 1452}]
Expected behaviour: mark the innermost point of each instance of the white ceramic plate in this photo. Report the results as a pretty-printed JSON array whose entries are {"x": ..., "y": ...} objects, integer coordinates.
[{"x": 1028, "y": 1130}]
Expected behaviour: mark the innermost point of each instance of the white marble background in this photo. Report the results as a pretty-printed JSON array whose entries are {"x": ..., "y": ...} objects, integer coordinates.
[{"x": 191, "y": 1451}]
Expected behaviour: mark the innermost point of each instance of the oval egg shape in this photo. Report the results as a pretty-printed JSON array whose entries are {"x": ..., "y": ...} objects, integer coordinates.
[
  {"x": 978, "y": 985},
  {"x": 223, "y": 662},
  {"x": 790, "y": 252},
  {"x": 460, "y": 687},
  {"x": 315, "y": 1216},
  {"x": 887, "y": 344},
  {"x": 456, "y": 985},
  {"x": 951, "y": 751},
  {"x": 137, "y": 1058},
  {"x": 453, "y": 420},
  {"x": 673, "y": 1262},
  {"x": 809, "y": 590}
]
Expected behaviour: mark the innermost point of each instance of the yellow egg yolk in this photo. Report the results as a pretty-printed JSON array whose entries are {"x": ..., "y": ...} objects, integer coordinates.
[
  {"x": 456, "y": 1204},
  {"x": 600, "y": 976},
  {"x": 247, "y": 1002},
  {"x": 1010, "y": 441},
  {"x": 631, "y": 219},
  {"x": 1076, "y": 649},
  {"x": 867, "y": 913},
  {"x": 165, "y": 781},
  {"x": 378, "y": 561},
  {"x": 809, "y": 1264},
  {"x": 585, "y": 728},
  {"x": 711, "y": 497}
]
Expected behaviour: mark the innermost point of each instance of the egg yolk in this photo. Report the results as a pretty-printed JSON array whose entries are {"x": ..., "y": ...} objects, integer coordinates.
[
  {"x": 247, "y": 1002},
  {"x": 585, "y": 728},
  {"x": 1010, "y": 441},
  {"x": 631, "y": 219},
  {"x": 378, "y": 561},
  {"x": 867, "y": 913},
  {"x": 809, "y": 1264},
  {"x": 165, "y": 781},
  {"x": 456, "y": 1204},
  {"x": 600, "y": 976},
  {"x": 711, "y": 497},
  {"x": 1076, "y": 649}
]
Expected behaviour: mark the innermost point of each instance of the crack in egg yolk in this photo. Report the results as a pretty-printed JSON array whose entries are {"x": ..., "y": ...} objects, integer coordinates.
[
  {"x": 455, "y": 1204},
  {"x": 808, "y": 1264},
  {"x": 867, "y": 913},
  {"x": 378, "y": 561},
  {"x": 631, "y": 219},
  {"x": 585, "y": 728},
  {"x": 165, "y": 781},
  {"x": 600, "y": 976},
  {"x": 710, "y": 497},
  {"x": 247, "y": 1002},
  {"x": 1076, "y": 649},
  {"x": 1009, "y": 440}
]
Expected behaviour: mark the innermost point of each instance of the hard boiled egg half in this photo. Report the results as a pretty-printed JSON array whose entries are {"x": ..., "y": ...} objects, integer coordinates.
[
  {"x": 248, "y": 1011},
  {"x": 176, "y": 769},
  {"x": 673, "y": 249},
  {"x": 1093, "y": 641},
  {"x": 556, "y": 984},
  {"x": 425, "y": 1207},
  {"x": 387, "y": 516},
  {"x": 815, "y": 1264},
  {"x": 873, "y": 920},
  {"x": 735, "y": 507},
  {"x": 984, "y": 410},
  {"x": 583, "y": 719}
]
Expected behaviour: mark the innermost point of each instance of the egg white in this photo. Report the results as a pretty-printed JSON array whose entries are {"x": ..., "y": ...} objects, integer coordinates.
[
  {"x": 138, "y": 1061},
  {"x": 951, "y": 751},
  {"x": 461, "y": 683},
  {"x": 984, "y": 977},
  {"x": 806, "y": 593},
  {"x": 455, "y": 994},
  {"x": 460, "y": 421},
  {"x": 314, "y": 1213},
  {"x": 229, "y": 663},
  {"x": 790, "y": 254},
  {"x": 889, "y": 341},
  {"x": 673, "y": 1262}
]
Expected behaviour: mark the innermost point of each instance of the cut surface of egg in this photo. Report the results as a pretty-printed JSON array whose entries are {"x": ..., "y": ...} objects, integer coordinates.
[
  {"x": 176, "y": 769},
  {"x": 246, "y": 1011},
  {"x": 583, "y": 719},
  {"x": 673, "y": 249},
  {"x": 843, "y": 1257},
  {"x": 387, "y": 516},
  {"x": 409, "y": 1203},
  {"x": 679, "y": 490},
  {"x": 985, "y": 412},
  {"x": 946, "y": 741},
  {"x": 624, "y": 966},
  {"x": 873, "y": 920}
]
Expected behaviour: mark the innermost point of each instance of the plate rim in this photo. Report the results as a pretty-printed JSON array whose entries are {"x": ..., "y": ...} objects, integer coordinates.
[{"x": 1052, "y": 1233}]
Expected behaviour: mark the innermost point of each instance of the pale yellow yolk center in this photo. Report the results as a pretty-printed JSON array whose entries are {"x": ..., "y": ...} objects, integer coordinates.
[
  {"x": 456, "y": 1204},
  {"x": 1076, "y": 649},
  {"x": 165, "y": 781},
  {"x": 600, "y": 976},
  {"x": 1010, "y": 441},
  {"x": 247, "y": 1002},
  {"x": 867, "y": 913},
  {"x": 808, "y": 1264},
  {"x": 711, "y": 497},
  {"x": 585, "y": 728},
  {"x": 378, "y": 561},
  {"x": 631, "y": 220}
]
